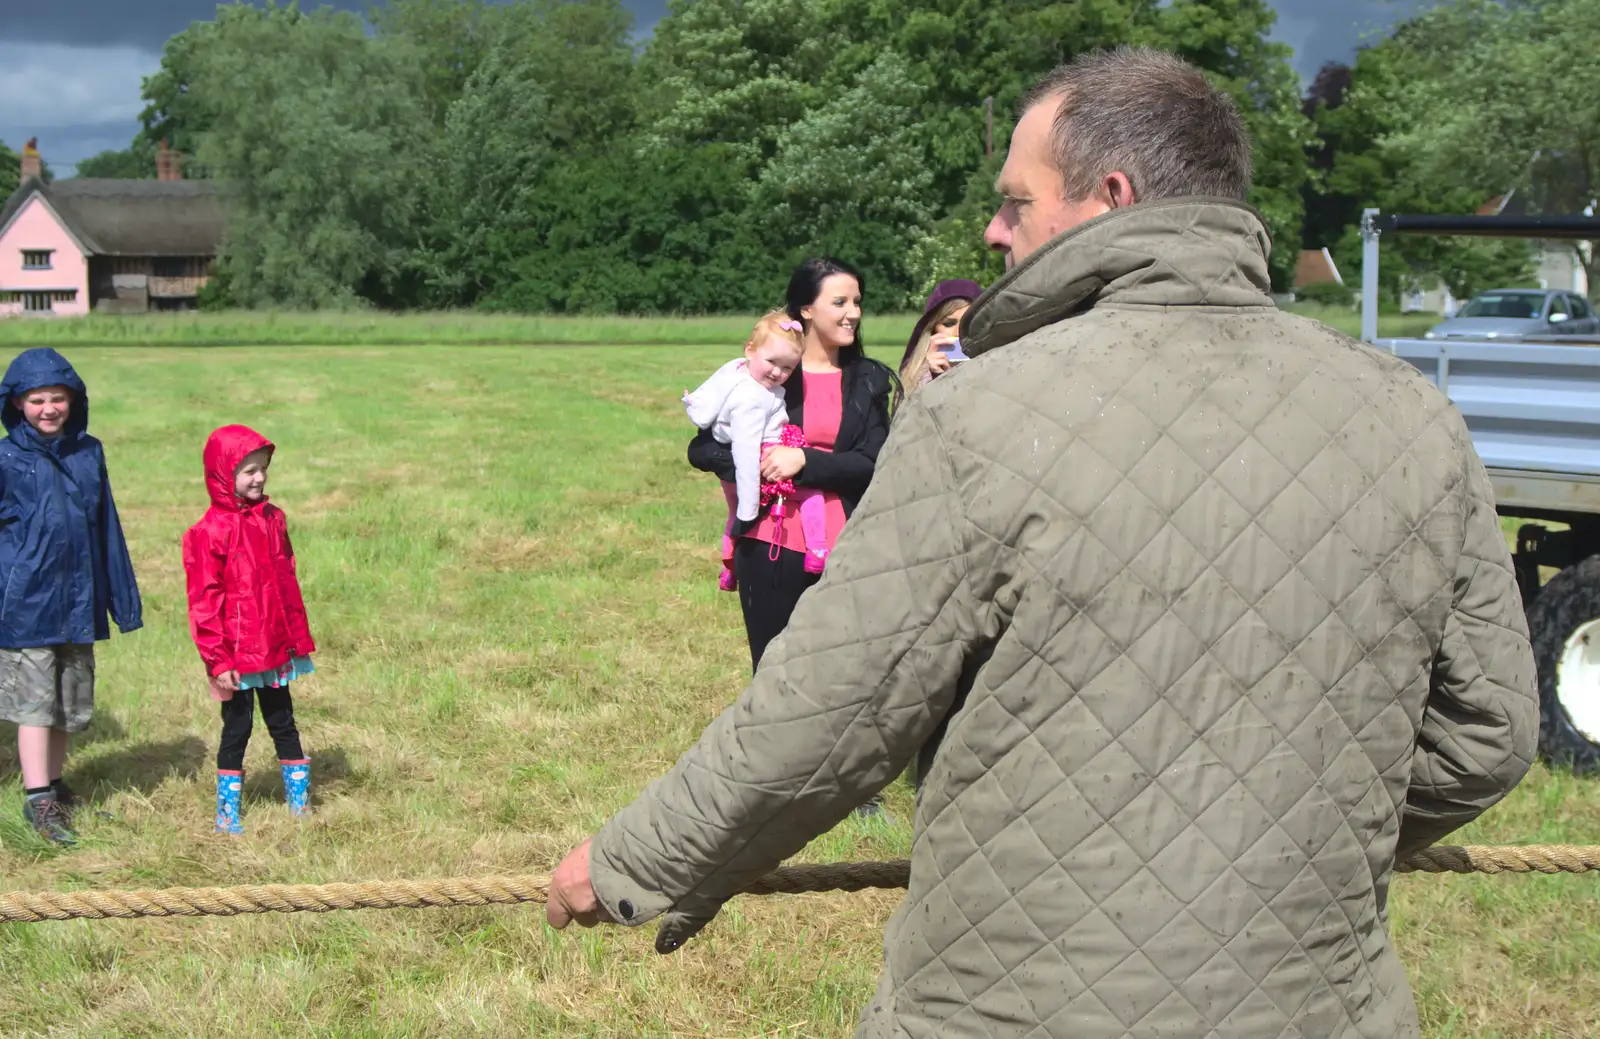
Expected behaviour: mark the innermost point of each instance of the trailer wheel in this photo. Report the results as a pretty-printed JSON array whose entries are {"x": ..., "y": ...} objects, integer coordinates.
[{"x": 1564, "y": 622}]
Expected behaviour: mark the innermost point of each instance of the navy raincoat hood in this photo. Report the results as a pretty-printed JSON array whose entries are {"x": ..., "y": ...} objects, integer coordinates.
[
  {"x": 64, "y": 565},
  {"x": 32, "y": 369}
]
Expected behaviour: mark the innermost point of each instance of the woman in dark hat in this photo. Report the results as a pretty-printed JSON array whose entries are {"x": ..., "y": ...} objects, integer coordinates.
[{"x": 925, "y": 357}]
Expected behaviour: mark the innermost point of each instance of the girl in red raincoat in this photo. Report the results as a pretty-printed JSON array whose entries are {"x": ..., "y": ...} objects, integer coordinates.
[{"x": 246, "y": 615}]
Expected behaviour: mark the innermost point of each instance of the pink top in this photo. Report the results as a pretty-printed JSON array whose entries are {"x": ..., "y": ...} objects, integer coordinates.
[{"x": 824, "y": 406}]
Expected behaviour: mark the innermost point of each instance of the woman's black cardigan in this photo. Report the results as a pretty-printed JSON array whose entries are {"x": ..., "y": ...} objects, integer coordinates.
[{"x": 866, "y": 390}]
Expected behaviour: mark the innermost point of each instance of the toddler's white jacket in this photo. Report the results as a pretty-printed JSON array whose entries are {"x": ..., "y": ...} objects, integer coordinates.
[{"x": 743, "y": 414}]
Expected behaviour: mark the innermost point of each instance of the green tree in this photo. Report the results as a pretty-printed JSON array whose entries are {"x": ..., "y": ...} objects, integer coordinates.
[
  {"x": 580, "y": 53},
  {"x": 551, "y": 83},
  {"x": 852, "y": 178},
  {"x": 1506, "y": 100},
  {"x": 1327, "y": 214},
  {"x": 669, "y": 233},
  {"x": 127, "y": 164},
  {"x": 961, "y": 52},
  {"x": 495, "y": 150},
  {"x": 322, "y": 137},
  {"x": 733, "y": 72},
  {"x": 453, "y": 37},
  {"x": 10, "y": 170},
  {"x": 955, "y": 247},
  {"x": 1228, "y": 39},
  {"x": 1374, "y": 163},
  {"x": 173, "y": 111}
]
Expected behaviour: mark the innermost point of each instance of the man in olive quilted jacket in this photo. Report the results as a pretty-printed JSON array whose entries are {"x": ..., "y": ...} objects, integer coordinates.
[{"x": 1200, "y": 613}]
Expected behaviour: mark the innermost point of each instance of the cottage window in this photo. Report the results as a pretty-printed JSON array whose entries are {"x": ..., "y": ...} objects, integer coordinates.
[
  {"x": 36, "y": 259},
  {"x": 39, "y": 302}
]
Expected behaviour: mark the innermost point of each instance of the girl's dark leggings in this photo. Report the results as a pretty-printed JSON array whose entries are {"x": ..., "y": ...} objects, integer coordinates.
[{"x": 238, "y": 715}]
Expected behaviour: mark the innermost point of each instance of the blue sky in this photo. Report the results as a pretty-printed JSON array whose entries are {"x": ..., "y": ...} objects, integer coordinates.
[{"x": 94, "y": 52}]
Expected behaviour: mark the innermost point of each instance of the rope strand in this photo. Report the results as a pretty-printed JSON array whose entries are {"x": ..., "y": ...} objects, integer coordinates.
[{"x": 36, "y": 907}]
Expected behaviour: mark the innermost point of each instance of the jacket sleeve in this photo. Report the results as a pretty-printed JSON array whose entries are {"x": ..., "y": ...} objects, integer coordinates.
[
  {"x": 850, "y": 471},
  {"x": 126, "y": 607},
  {"x": 1480, "y": 726},
  {"x": 202, "y": 568},
  {"x": 704, "y": 403},
  {"x": 294, "y": 602},
  {"x": 709, "y": 455},
  {"x": 844, "y": 697},
  {"x": 748, "y": 422}
]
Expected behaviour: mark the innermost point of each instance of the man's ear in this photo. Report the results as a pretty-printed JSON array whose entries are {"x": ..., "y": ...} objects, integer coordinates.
[{"x": 1118, "y": 190}]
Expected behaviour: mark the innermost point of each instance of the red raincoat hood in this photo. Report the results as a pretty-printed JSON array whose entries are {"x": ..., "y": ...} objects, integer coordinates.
[
  {"x": 225, "y": 449},
  {"x": 246, "y": 613}
]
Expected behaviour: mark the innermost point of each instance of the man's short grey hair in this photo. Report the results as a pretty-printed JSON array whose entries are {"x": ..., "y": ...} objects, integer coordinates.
[{"x": 1149, "y": 115}]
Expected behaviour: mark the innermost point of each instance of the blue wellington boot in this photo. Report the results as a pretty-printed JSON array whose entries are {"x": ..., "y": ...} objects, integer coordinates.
[
  {"x": 297, "y": 785},
  {"x": 230, "y": 785}
]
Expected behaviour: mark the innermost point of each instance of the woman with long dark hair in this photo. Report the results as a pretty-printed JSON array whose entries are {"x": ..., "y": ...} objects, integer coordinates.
[{"x": 841, "y": 399}]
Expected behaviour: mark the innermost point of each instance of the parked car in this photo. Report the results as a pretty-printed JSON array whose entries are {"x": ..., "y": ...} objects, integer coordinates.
[{"x": 1537, "y": 314}]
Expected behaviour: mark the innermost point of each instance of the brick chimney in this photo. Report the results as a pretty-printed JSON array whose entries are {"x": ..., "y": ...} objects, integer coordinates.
[
  {"x": 32, "y": 165},
  {"x": 168, "y": 163}
]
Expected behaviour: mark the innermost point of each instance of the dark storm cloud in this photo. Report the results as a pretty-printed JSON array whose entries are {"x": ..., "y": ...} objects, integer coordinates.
[{"x": 1331, "y": 30}]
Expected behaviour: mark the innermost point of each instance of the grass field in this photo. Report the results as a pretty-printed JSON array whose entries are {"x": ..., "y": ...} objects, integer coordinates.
[
  {"x": 510, "y": 570},
  {"x": 443, "y": 328},
  {"x": 474, "y": 328}
]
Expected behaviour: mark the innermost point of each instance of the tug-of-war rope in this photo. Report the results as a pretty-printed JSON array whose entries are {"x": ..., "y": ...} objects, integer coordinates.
[{"x": 29, "y": 907}]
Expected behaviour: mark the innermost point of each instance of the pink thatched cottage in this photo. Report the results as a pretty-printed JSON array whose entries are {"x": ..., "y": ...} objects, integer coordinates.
[{"x": 122, "y": 246}]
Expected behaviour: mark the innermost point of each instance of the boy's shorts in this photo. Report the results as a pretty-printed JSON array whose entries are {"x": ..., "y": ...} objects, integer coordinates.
[{"x": 48, "y": 686}]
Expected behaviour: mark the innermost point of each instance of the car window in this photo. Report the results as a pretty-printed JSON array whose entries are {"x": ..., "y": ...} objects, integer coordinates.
[
  {"x": 1558, "y": 305},
  {"x": 1580, "y": 307},
  {"x": 1522, "y": 305}
]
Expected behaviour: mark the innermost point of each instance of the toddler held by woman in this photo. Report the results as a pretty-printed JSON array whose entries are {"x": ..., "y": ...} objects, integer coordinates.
[{"x": 742, "y": 405}]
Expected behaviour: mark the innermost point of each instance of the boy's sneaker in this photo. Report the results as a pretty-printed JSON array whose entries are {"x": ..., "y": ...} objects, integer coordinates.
[
  {"x": 65, "y": 796},
  {"x": 46, "y": 815}
]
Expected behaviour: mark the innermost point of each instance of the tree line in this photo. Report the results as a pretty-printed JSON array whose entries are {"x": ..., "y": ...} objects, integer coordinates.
[
  {"x": 529, "y": 156},
  {"x": 1457, "y": 109}
]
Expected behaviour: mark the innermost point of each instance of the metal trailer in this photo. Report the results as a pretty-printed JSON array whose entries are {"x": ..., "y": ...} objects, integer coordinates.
[{"x": 1533, "y": 409}]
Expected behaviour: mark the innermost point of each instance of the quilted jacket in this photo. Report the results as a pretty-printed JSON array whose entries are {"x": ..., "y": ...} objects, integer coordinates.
[
  {"x": 246, "y": 613},
  {"x": 1209, "y": 611},
  {"x": 64, "y": 564}
]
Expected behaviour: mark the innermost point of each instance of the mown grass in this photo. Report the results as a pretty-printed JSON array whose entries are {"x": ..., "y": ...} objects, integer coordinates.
[
  {"x": 884, "y": 332},
  {"x": 511, "y": 574},
  {"x": 376, "y": 328}
]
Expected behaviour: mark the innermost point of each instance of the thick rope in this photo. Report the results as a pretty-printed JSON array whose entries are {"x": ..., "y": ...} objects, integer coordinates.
[{"x": 28, "y": 907}]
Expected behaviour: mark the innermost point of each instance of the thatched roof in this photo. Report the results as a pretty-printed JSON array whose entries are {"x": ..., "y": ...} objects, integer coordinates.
[{"x": 132, "y": 217}]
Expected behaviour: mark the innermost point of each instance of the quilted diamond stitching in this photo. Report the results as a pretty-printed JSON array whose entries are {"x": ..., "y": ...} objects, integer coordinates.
[
  {"x": 1161, "y": 524},
  {"x": 1288, "y": 576}
]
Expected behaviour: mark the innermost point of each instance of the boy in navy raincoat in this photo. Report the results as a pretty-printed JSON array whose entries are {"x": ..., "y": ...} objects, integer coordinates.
[{"x": 63, "y": 567}]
